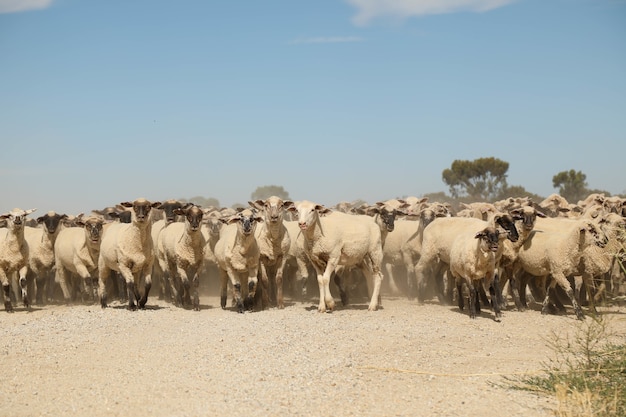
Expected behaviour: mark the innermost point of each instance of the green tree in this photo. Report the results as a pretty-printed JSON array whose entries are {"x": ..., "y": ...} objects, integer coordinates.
[
  {"x": 481, "y": 179},
  {"x": 572, "y": 185},
  {"x": 265, "y": 191}
]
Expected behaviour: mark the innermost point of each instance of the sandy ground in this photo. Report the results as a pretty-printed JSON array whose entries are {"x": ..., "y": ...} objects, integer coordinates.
[{"x": 403, "y": 360}]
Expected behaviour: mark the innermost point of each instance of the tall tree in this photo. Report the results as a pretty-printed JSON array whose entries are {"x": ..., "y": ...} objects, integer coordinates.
[
  {"x": 481, "y": 179},
  {"x": 571, "y": 184},
  {"x": 265, "y": 191}
]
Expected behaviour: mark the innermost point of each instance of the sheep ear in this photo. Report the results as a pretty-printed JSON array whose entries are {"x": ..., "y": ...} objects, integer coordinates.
[
  {"x": 257, "y": 204},
  {"x": 179, "y": 211},
  {"x": 480, "y": 235},
  {"x": 30, "y": 211},
  {"x": 124, "y": 204},
  {"x": 155, "y": 204}
]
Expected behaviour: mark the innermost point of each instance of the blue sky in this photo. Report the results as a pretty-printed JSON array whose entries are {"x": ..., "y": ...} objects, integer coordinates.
[{"x": 107, "y": 101}]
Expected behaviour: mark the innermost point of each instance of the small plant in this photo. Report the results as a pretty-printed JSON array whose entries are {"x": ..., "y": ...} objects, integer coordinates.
[{"x": 588, "y": 373}]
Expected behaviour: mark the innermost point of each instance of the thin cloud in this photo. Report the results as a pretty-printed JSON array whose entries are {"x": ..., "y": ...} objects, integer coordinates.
[
  {"x": 368, "y": 10},
  {"x": 13, "y": 6},
  {"x": 327, "y": 39}
]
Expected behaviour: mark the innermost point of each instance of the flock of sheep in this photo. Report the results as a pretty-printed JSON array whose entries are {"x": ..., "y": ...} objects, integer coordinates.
[{"x": 508, "y": 248}]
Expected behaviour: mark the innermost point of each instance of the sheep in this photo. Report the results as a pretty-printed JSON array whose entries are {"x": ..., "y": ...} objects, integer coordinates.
[
  {"x": 168, "y": 217},
  {"x": 40, "y": 242},
  {"x": 473, "y": 258},
  {"x": 596, "y": 262},
  {"x": 340, "y": 239},
  {"x": 439, "y": 235},
  {"x": 238, "y": 256},
  {"x": 127, "y": 249},
  {"x": 297, "y": 258},
  {"x": 555, "y": 249},
  {"x": 555, "y": 206},
  {"x": 14, "y": 254},
  {"x": 76, "y": 251},
  {"x": 211, "y": 229},
  {"x": 182, "y": 245},
  {"x": 273, "y": 241},
  {"x": 527, "y": 216},
  {"x": 403, "y": 246}
]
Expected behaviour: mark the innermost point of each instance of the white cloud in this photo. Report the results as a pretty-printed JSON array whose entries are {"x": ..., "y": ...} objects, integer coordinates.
[
  {"x": 368, "y": 10},
  {"x": 327, "y": 39},
  {"x": 12, "y": 6}
]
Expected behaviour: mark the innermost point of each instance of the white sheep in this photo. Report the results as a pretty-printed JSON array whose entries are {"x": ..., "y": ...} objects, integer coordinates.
[
  {"x": 437, "y": 241},
  {"x": 166, "y": 211},
  {"x": 273, "y": 241},
  {"x": 340, "y": 239},
  {"x": 473, "y": 261},
  {"x": 127, "y": 249},
  {"x": 297, "y": 258},
  {"x": 14, "y": 254},
  {"x": 238, "y": 256},
  {"x": 211, "y": 229},
  {"x": 182, "y": 245},
  {"x": 76, "y": 252},
  {"x": 40, "y": 242},
  {"x": 555, "y": 249}
]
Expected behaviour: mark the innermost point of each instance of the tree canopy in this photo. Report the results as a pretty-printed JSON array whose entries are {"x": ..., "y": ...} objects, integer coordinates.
[
  {"x": 572, "y": 185},
  {"x": 480, "y": 179},
  {"x": 265, "y": 191}
]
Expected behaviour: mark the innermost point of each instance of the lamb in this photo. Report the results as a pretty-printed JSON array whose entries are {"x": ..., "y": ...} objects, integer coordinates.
[
  {"x": 127, "y": 249},
  {"x": 340, "y": 239},
  {"x": 182, "y": 245},
  {"x": 14, "y": 254},
  {"x": 40, "y": 242},
  {"x": 76, "y": 252},
  {"x": 439, "y": 235},
  {"x": 473, "y": 258},
  {"x": 238, "y": 256},
  {"x": 273, "y": 240},
  {"x": 555, "y": 248}
]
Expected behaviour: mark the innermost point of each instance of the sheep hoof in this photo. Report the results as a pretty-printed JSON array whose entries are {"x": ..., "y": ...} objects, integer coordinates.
[{"x": 8, "y": 307}]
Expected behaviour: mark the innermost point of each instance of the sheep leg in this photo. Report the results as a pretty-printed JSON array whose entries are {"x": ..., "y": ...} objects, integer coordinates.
[
  {"x": 24, "y": 286},
  {"x": 340, "y": 282},
  {"x": 391, "y": 279},
  {"x": 196, "y": 297},
  {"x": 280, "y": 301},
  {"x": 591, "y": 296},
  {"x": 61, "y": 278},
  {"x": 6, "y": 289},
  {"x": 147, "y": 285},
  {"x": 323, "y": 282},
  {"x": 265, "y": 286},
  {"x": 253, "y": 281},
  {"x": 494, "y": 290},
  {"x": 460, "y": 298},
  {"x": 514, "y": 287},
  {"x": 473, "y": 298},
  {"x": 185, "y": 287},
  {"x": 103, "y": 276},
  {"x": 223, "y": 288}
]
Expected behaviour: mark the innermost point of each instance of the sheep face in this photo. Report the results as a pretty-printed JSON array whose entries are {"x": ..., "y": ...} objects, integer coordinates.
[
  {"x": 168, "y": 208},
  {"x": 273, "y": 208},
  {"x": 140, "y": 209},
  {"x": 508, "y": 224},
  {"x": 214, "y": 224},
  {"x": 16, "y": 218},
  {"x": 308, "y": 213},
  {"x": 93, "y": 228},
  {"x": 598, "y": 237},
  {"x": 489, "y": 239},
  {"x": 246, "y": 221},
  {"x": 193, "y": 216},
  {"x": 51, "y": 221},
  {"x": 527, "y": 215}
]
